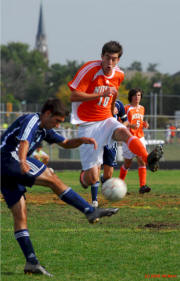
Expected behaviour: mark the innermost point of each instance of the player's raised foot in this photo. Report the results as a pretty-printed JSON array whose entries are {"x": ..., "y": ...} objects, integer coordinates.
[
  {"x": 154, "y": 157},
  {"x": 95, "y": 204},
  {"x": 99, "y": 213},
  {"x": 81, "y": 180},
  {"x": 143, "y": 189},
  {"x": 36, "y": 269}
]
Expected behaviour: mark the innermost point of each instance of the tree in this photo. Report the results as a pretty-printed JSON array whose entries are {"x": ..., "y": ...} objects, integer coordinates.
[
  {"x": 20, "y": 68},
  {"x": 152, "y": 67},
  {"x": 64, "y": 93},
  {"x": 136, "y": 65},
  {"x": 138, "y": 81},
  {"x": 123, "y": 94}
]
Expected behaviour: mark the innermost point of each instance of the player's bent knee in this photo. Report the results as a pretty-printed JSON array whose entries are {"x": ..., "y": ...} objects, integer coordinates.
[
  {"x": 46, "y": 178},
  {"x": 121, "y": 134}
]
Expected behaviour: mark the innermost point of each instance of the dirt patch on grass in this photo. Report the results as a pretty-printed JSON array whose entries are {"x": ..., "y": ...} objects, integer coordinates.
[
  {"x": 129, "y": 201},
  {"x": 162, "y": 225},
  {"x": 132, "y": 201}
]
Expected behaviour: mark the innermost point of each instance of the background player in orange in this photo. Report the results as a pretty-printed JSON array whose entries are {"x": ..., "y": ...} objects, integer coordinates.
[
  {"x": 173, "y": 132},
  {"x": 135, "y": 115},
  {"x": 94, "y": 90}
]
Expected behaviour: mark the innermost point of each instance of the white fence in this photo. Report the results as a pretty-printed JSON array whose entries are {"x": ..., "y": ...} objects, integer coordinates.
[{"x": 170, "y": 143}]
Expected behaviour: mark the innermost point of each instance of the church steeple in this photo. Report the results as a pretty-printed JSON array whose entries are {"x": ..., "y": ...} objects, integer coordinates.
[{"x": 41, "y": 42}]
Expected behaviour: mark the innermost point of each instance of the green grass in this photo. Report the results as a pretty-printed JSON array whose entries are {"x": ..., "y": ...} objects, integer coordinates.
[{"x": 143, "y": 238}]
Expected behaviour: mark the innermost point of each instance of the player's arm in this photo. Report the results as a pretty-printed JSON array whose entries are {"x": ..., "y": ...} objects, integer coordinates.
[
  {"x": 113, "y": 108},
  {"x": 145, "y": 124},
  {"x": 23, "y": 150},
  {"x": 73, "y": 143},
  {"x": 132, "y": 126},
  {"x": 78, "y": 96},
  {"x": 36, "y": 156},
  {"x": 125, "y": 123}
]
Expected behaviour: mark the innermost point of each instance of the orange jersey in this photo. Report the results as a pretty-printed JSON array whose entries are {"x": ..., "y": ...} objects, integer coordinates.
[
  {"x": 135, "y": 116},
  {"x": 173, "y": 130},
  {"x": 91, "y": 79}
]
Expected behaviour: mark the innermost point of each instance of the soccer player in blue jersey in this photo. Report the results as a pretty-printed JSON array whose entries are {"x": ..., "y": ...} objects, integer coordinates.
[
  {"x": 109, "y": 155},
  {"x": 19, "y": 169}
]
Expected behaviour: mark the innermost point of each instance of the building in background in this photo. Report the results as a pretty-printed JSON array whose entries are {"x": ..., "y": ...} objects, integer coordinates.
[{"x": 41, "y": 40}]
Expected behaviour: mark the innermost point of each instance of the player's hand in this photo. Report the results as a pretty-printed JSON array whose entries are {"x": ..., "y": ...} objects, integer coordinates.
[
  {"x": 110, "y": 91},
  {"x": 115, "y": 110},
  {"x": 134, "y": 126},
  {"x": 90, "y": 141},
  {"x": 24, "y": 167},
  {"x": 146, "y": 124}
]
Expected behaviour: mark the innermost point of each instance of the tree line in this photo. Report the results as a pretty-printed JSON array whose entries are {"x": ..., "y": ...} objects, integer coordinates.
[{"x": 26, "y": 77}]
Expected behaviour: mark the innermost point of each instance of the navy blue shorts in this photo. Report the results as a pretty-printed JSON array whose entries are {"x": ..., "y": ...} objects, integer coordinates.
[
  {"x": 13, "y": 182},
  {"x": 109, "y": 156}
]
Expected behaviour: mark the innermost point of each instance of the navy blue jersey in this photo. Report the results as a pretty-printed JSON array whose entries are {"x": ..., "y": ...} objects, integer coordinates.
[
  {"x": 27, "y": 127},
  {"x": 121, "y": 111}
]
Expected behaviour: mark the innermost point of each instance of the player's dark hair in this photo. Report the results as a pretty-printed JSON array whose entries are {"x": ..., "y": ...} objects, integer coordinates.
[
  {"x": 112, "y": 47},
  {"x": 55, "y": 106},
  {"x": 133, "y": 92}
]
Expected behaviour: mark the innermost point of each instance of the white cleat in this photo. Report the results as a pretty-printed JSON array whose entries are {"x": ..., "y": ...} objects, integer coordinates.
[
  {"x": 95, "y": 204},
  {"x": 36, "y": 269}
]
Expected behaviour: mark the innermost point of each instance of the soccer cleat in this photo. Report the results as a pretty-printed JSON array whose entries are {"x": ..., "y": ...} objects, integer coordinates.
[
  {"x": 36, "y": 269},
  {"x": 99, "y": 213},
  {"x": 81, "y": 180},
  {"x": 95, "y": 204},
  {"x": 154, "y": 157},
  {"x": 144, "y": 189}
]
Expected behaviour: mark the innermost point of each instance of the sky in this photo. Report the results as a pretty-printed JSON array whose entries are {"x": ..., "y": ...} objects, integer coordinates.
[{"x": 148, "y": 30}]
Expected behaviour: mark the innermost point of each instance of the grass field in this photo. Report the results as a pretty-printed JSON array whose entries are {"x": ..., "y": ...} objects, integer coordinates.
[{"x": 141, "y": 242}]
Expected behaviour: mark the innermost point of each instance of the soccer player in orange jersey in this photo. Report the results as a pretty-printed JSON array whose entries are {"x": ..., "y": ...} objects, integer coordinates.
[
  {"x": 135, "y": 115},
  {"x": 94, "y": 91}
]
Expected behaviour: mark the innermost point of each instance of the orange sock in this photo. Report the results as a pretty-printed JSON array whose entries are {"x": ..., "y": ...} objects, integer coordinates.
[
  {"x": 136, "y": 147},
  {"x": 142, "y": 175},
  {"x": 123, "y": 173}
]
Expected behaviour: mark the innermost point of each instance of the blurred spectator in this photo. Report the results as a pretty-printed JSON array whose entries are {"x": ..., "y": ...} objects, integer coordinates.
[
  {"x": 40, "y": 155},
  {"x": 69, "y": 133},
  {"x": 173, "y": 133},
  {"x": 178, "y": 134},
  {"x": 167, "y": 134},
  {"x": 5, "y": 126}
]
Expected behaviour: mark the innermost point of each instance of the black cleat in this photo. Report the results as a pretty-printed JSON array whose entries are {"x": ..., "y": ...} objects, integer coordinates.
[
  {"x": 81, "y": 180},
  {"x": 154, "y": 157},
  {"x": 36, "y": 269},
  {"x": 99, "y": 213},
  {"x": 143, "y": 189}
]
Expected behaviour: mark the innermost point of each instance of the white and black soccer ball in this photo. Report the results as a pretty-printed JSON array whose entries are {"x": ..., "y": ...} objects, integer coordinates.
[{"x": 114, "y": 189}]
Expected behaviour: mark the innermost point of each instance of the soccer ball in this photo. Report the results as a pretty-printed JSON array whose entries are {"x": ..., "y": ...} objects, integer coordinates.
[{"x": 114, "y": 189}]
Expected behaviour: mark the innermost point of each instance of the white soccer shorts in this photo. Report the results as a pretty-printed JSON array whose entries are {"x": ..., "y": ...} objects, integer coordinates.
[{"x": 102, "y": 132}]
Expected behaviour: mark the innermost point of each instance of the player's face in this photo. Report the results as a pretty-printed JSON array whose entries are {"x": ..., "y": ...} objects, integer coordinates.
[
  {"x": 49, "y": 121},
  {"x": 109, "y": 61},
  {"x": 136, "y": 98}
]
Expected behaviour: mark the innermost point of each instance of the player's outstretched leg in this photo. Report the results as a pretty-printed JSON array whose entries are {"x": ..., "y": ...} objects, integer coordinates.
[
  {"x": 154, "y": 157},
  {"x": 92, "y": 214},
  {"x": 36, "y": 269}
]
